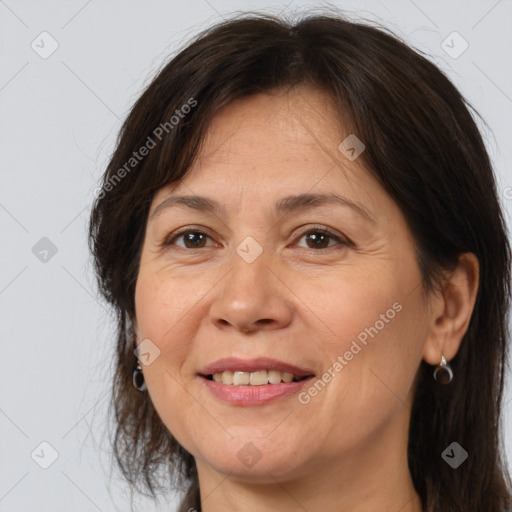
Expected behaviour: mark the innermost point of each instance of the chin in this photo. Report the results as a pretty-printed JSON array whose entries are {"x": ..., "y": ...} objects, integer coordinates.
[{"x": 258, "y": 462}]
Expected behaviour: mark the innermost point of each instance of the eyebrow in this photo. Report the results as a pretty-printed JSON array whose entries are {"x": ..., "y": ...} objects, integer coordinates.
[{"x": 285, "y": 205}]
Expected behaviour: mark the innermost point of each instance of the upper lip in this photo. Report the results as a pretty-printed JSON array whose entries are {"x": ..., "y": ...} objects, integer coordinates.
[{"x": 252, "y": 365}]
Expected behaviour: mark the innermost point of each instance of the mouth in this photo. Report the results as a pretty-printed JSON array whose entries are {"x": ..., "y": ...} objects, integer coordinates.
[
  {"x": 254, "y": 372},
  {"x": 255, "y": 378},
  {"x": 253, "y": 382}
]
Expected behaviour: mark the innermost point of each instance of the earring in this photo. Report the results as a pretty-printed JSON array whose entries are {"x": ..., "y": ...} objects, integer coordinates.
[
  {"x": 138, "y": 379},
  {"x": 443, "y": 373}
]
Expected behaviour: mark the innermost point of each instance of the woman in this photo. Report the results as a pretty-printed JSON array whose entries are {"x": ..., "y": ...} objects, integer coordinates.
[{"x": 300, "y": 233}]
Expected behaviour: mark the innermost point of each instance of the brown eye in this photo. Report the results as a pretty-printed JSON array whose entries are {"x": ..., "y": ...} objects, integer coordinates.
[
  {"x": 192, "y": 239},
  {"x": 318, "y": 238}
]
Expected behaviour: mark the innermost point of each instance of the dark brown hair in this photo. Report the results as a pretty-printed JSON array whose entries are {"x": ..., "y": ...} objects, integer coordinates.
[{"x": 422, "y": 145}]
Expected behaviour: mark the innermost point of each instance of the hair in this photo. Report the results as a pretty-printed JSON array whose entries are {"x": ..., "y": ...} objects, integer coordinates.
[{"x": 423, "y": 147}]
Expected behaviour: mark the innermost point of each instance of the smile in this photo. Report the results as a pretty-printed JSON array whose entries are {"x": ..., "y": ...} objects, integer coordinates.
[
  {"x": 258, "y": 378},
  {"x": 253, "y": 382}
]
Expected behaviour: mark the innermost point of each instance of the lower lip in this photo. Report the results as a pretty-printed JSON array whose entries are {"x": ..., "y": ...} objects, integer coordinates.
[{"x": 253, "y": 395}]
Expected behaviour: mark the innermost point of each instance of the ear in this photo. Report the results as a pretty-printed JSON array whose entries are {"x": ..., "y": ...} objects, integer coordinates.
[{"x": 451, "y": 310}]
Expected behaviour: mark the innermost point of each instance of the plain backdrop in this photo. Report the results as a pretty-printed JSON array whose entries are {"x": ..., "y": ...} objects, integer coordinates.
[{"x": 69, "y": 73}]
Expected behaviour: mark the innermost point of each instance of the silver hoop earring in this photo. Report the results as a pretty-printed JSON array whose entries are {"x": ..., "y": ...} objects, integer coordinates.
[
  {"x": 138, "y": 379},
  {"x": 443, "y": 373}
]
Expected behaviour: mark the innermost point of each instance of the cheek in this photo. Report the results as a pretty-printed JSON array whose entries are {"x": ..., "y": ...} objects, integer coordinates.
[
  {"x": 159, "y": 306},
  {"x": 158, "y": 311},
  {"x": 375, "y": 305},
  {"x": 359, "y": 310},
  {"x": 376, "y": 339}
]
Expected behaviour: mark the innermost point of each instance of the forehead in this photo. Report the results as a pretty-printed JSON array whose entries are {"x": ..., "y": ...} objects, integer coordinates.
[
  {"x": 276, "y": 126},
  {"x": 273, "y": 139}
]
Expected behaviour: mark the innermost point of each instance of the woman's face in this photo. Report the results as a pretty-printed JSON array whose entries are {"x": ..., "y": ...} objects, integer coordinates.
[{"x": 257, "y": 277}]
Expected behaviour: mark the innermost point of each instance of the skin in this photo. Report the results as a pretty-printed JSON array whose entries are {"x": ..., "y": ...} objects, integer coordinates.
[{"x": 297, "y": 303}]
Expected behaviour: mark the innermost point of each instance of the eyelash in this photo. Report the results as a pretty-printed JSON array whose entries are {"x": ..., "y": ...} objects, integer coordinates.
[{"x": 169, "y": 241}]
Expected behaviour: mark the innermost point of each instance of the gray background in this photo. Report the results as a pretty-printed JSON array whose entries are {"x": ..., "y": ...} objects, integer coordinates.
[{"x": 59, "y": 118}]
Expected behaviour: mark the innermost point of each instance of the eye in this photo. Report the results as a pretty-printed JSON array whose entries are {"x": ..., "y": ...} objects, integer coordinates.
[
  {"x": 196, "y": 239},
  {"x": 318, "y": 237},
  {"x": 190, "y": 236}
]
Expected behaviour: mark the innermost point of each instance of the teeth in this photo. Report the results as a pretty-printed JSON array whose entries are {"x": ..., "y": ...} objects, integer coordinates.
[
  {"x": 287, "y": 377},
  {"x": 227, "y": 377},
  {"x": 241, "y": 378},
  {"x": 274, "y": 377},
  {"x": 258, "y": 378}
]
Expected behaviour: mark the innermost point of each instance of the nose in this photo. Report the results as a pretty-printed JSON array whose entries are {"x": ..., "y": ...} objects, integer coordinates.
[{"x": 251, "y": 297}]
